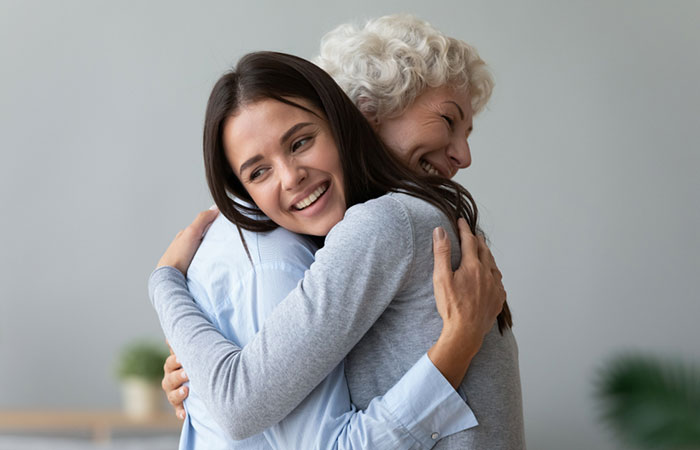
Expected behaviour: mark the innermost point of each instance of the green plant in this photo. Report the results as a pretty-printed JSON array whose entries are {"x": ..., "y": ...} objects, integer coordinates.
[
  {"x": 651, "y": 403},
  {"x": 142, "y": 359}
]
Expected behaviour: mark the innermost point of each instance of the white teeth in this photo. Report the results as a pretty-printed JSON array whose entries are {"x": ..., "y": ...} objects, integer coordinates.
[
  {"x": 428, "y": 167},
  {"x": 311, "y": 198}
]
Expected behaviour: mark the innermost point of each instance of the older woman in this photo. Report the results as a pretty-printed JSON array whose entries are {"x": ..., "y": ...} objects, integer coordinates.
[
  {"x": 418, "y": 87},
  {"x": 423, "y": 110}
]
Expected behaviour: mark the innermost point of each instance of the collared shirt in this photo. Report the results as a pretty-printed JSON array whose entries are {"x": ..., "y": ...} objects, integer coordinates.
[{"x": 237, "y": 293}]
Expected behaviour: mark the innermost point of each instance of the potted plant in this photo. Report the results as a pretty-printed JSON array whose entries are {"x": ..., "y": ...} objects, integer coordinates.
[
  {"x": 651, "y": 403},
  {"x": 140, "y": 369}
]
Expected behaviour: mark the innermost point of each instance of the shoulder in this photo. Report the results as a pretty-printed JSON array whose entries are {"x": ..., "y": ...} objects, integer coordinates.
[
  {"x": 222, "y": 248},
  {"x": 384, "y": 211},
  {"x": 395, "y": 211},
  {"x": 378, "y": 225}
]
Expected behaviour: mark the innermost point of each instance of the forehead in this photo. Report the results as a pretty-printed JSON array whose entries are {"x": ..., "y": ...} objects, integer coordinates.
[
  {"x": 260, "y": 125},
  {"x": 444, "y": 96},
  {"x": 268, "y": 115}
]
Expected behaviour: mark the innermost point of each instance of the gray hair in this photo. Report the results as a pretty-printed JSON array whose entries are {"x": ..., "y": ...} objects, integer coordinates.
[{"x": 386, "y": 64}]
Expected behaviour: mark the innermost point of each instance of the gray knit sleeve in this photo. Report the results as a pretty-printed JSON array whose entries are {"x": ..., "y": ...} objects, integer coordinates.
[{"x": 366, "y": 260}]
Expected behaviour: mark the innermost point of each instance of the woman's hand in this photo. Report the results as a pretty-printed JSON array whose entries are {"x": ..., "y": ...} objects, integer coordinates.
[
  {"x": 473, "y": 295},
  {"x": 182, "y": 249},
  {"x": 173, "y": 379},
  {"x": 468, "y": 300}
]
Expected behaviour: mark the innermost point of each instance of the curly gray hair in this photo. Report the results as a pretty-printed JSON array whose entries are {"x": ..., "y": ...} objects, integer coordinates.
[{"x": 386, "y": 64}]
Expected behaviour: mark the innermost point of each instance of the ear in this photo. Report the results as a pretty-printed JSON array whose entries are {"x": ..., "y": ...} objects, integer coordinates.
[
  {"x": 373, "y": 121},
  {"x": 368, "y": 110}
]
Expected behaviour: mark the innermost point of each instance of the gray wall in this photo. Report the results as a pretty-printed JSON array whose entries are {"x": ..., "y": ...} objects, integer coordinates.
[{"x": 585, "y": 168}]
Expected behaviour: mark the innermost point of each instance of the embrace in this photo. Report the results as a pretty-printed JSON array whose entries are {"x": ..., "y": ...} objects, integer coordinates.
[{"x": 344, "y": 297}]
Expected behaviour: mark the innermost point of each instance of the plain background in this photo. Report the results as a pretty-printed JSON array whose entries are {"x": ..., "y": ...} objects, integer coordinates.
[{"x": 585, "y": 166}]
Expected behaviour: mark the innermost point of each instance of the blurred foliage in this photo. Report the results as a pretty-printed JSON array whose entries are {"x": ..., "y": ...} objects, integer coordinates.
[
  {"x": 142, "y": 359},
  {"x": 651, "y": 403}
]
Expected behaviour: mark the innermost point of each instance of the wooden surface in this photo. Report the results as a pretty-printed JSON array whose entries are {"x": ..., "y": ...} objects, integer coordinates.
[{"x": 100, "y": 424}]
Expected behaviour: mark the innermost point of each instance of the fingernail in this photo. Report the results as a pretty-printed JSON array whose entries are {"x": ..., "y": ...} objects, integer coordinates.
[
  {"x": 177, "y": 360},
  {"x": 183, "y": 375},
  {"x": 438, "y": 234},
  {"x": 214, "y": 207},
  {"x": 182, "y": 415},
  {"x": 181, "y": 391}
]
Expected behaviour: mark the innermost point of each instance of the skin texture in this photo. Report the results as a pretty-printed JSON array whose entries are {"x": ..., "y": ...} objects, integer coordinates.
[
  {"x": 293, "y": 154},
  {"x": 434, "y": 129}
]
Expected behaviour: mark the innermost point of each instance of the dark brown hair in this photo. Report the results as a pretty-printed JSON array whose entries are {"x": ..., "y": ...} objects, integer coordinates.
[{"x": 369, "y": 169}]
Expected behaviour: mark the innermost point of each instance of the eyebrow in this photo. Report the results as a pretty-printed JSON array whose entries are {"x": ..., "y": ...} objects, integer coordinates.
[
  {"x": 289, "y": 133},
  {"x": 461, "y": 113},
  {"x": 249, "y": 163},
  {"x": 293, "y": 130}
]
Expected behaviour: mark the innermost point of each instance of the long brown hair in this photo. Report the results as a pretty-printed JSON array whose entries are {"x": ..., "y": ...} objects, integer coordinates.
[{"x": 369, "y": 169}]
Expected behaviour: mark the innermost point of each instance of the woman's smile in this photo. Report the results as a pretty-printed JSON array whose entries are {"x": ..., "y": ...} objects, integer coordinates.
[
  {"x": 287, "y": 160},
  {"x": 311, "y": 199}
]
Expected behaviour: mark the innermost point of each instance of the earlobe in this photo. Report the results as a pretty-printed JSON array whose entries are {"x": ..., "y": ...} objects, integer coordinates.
[
  {"x": 375, "y": 124},
  {"x": 364, "y": 105},
  {"x": 372, "y": 119}
]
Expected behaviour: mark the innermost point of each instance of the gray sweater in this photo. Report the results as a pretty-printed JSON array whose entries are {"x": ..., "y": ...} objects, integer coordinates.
[{"x": 368, "y": 296}]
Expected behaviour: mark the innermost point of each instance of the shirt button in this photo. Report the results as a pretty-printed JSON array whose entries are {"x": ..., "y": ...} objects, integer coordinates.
[{"x": 435, "y": 436}]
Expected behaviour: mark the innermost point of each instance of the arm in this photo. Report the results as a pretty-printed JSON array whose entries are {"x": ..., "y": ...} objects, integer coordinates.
[
  {"x": 419, "y": 409},
  {"x": 253, "y": 388},
  {"x": 303, "y": 339},
  {"x": 420, "y": 404}
]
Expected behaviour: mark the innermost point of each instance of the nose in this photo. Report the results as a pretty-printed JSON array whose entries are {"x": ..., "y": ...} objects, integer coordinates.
[
  {"x": 459, "y": 154},
  {"x": 291, "y": 175}
]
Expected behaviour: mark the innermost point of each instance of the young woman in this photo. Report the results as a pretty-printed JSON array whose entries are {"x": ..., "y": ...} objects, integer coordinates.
[{"x": 373, "y": 266}]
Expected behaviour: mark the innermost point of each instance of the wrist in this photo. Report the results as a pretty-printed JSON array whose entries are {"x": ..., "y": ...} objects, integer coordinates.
[
  {"x": 452, "y": 354},
  {"x": 460, "y": 339}
]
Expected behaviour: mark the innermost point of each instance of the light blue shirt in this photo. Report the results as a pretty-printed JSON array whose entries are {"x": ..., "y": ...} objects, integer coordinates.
[{"x": 237, "y": 294}]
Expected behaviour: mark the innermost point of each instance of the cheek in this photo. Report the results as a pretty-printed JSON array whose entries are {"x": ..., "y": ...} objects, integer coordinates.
[
  {"x": 397, "y": 138},
  {"x": 265, "y": 200}
]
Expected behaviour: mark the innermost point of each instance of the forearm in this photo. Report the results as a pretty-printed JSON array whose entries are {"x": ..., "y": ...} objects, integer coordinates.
[
  {"x": 305, "y": 337},
  {"x": 453, "y": 352},
  {"x": 250, "y": 389},
  {"x": 201, "y": 348},
  {"x": 418, "y": 409}
]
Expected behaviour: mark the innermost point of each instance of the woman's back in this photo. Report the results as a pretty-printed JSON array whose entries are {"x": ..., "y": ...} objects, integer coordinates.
[{"x": 410, "y": 324}]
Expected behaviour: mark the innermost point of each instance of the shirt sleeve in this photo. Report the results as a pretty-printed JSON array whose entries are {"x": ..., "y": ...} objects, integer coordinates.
[
  {"x": 421, "y": 408},
  {"x": 365, "y": 261},
  {"x": 415, "y": 413}
]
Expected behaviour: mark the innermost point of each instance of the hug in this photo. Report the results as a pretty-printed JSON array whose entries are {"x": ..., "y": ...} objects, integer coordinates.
[{"x": 345, "y": 296}]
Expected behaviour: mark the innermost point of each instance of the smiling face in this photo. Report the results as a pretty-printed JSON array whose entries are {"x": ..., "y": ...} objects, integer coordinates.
[
  {"x": 288, "y": 162},
  {"x": 431, "y": 135}
]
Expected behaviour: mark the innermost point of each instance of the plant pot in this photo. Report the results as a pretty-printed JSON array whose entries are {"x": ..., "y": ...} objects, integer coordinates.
[{"x": 141, "y": 398}]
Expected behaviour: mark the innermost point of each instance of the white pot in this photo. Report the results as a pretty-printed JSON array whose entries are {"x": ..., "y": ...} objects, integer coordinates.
[{"x": 142, "y": 398}]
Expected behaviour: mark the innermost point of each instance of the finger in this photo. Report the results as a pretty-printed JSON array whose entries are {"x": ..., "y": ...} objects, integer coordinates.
[
  {"x": 203, "y": 220},
  {"x": 177, "y": 396},
  {"x": 487, "y": 258},
  {"x": 468, "y": 243},
  {"x": 180, "y": 412},
  {"x": 171, "y": 364},
  {"x": 442, "y": 252},
  {"x": 482, "y": 249},
  {"x": 490, "y": 261},
  {"x": 174, "y": 380}
]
